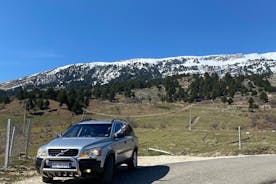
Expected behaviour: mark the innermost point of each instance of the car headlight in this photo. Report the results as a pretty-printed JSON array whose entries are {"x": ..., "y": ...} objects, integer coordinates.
[
  {"x": 41, "y": 152},
  {"x": 91, "y": 152}
]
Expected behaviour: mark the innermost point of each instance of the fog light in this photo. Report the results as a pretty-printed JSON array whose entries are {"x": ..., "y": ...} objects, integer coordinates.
[{"x": 87, "y": 170}]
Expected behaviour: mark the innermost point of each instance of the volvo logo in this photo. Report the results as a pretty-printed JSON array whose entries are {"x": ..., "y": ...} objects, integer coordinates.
[{"x": 62, "y": 152}]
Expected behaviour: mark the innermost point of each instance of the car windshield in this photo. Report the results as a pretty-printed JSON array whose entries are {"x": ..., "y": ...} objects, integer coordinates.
[{"x": 88, "y": 130}]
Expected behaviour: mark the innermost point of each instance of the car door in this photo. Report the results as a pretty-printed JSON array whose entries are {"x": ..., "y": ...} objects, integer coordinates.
[
  {"x": 130, "y": 143},
  {"x": 119, "y": 144}
]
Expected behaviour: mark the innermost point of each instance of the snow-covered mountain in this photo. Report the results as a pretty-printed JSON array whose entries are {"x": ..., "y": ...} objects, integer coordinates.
[{"x": 104, "y": 72}]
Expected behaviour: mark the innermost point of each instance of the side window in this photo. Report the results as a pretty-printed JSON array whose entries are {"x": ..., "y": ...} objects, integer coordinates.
[
  {"x": 129, "y": 131},
  {"x": 118, "y": 126}
]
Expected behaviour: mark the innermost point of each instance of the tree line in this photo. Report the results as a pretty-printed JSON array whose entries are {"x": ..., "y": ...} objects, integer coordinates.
[
  {"x": 200, "y": 87},
  {"x": 4, "y": 99},
  {"x": 74, "y": 99}
]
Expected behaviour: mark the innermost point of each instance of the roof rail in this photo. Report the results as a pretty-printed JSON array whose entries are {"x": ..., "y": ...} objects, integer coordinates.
[
  {"x": 86, "y": 119},
  {"x": 123, "y": 120}
]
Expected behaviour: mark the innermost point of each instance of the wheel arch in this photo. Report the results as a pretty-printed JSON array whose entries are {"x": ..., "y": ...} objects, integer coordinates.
[{"x": 110, "y": 153}]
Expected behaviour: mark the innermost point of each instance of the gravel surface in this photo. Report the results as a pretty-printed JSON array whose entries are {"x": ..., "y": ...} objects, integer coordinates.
[{"x": 184, "y": 169}]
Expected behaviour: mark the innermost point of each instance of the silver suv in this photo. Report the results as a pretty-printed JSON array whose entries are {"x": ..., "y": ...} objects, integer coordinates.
[{"x": 89, "y": 148}]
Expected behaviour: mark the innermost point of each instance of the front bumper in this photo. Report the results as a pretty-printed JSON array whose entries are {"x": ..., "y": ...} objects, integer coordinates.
[{"x": 79, "y": 167}]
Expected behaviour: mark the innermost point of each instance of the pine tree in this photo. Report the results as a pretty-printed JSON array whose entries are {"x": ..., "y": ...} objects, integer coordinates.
[
  {"x": 230, "y": 100},
  {"x": 39, "y": 104},
  {"x": 6, "y": 100},
  {"x": 46, "y": 104},
  {"x": 50, "y": 94},
  {"x": 224, "y": 99},
  {"x": 77, "y": 108},
  {"x": 250, "y": 84},
  {"x": 21, "y": 95},
  {"x": 127, "y": 92},
  {"x": 30, "y": 104},
  {"x": 254, "y": 93},
  {"x": 264, "y": 97},
  {"x": 251, "y": 104},
  {"x": 182, "y": 95},
  {"x": 62, "y": 97},
  {"x": 111, "y": 96}
]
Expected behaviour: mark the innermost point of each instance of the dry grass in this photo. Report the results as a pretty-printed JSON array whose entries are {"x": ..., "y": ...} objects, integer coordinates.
[{"x": 213, "y": 133}]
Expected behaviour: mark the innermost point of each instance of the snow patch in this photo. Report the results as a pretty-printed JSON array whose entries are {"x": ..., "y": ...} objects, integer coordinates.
[{"x": 104, "y": 72}]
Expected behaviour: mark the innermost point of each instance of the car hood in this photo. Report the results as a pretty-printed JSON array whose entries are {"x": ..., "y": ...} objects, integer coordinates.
[{"x": 75, "y": 142}]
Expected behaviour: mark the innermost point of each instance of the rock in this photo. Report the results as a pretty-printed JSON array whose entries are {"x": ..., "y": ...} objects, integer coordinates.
[
  {"x": 12, "y": 170},
  {"x": 23, "y": 167}
]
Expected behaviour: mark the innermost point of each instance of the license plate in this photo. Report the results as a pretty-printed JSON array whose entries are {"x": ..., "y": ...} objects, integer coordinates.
[{"x": 61, "y": 165}]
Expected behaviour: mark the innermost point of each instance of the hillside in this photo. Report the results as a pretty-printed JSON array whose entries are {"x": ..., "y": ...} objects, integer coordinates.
[
  {"x": 160, "y": 110},
  {"x": 158, "y": 124},
  {"x": 90, "y": 74},
  {"x": 162, "y": 125},
  {"x": 150, "y": 115},
  {"x": 177, "y": 88}
]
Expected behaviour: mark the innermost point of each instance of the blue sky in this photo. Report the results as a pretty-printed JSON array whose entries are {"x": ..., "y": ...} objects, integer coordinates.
[{"x": 37, "y": 35}]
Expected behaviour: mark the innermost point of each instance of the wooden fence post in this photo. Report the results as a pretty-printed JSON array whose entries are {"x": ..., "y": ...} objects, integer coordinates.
[
  {"x": 7, "y": 144},
  {"x": 12, "y": 141},
  {"x": 190, "y": 120},
  {"x": 24, "y": 118},
  {"x": 28, "y": 138},
  {"x": 239, "y": 132}
]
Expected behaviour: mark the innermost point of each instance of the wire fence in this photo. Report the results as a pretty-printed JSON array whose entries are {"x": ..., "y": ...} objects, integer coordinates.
[
  {"x": 18, "y": 144},
  {"x": 2, "y": 146},
  {"x": 14, "y": 142}
]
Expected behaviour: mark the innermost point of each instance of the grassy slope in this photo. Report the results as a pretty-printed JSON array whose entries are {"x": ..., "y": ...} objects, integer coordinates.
[
  {"x": 214, "y": 126},
  {"x": 214, "y": 129},
  {"x": 214, "y": 132}
]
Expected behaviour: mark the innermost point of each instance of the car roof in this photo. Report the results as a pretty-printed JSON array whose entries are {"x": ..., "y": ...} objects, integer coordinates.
[
  {"x": 96, "y": 122},
  {"x": 101, "y": 121}
]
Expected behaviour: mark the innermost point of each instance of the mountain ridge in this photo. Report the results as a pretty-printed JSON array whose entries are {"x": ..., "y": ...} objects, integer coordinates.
[{"x": 92, "y": 73}]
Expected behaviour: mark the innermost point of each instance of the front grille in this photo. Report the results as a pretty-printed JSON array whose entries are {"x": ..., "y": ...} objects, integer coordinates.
[{"x": 63, "y": 152}]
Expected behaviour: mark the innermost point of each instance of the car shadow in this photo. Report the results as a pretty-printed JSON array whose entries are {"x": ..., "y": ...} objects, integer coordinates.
[{"x": 146, "y": 175}]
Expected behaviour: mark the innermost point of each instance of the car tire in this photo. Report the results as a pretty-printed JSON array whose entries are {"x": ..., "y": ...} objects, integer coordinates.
[
  {"x": 47, "y": 180},
  {"x": 132, "y": 164},
  {"x": 108, "y": 170}
]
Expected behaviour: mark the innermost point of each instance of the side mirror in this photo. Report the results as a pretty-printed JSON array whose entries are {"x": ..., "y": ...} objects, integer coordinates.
[
  {"x": 119, "y": 135},
  {"x": 59, "y": 135}
]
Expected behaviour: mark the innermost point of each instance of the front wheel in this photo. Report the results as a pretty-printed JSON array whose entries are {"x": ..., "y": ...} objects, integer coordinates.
[
  {"x": 108, "y": 170},
  {"x": 132, "y": 164},
  {"x": 47, "y": 180}
]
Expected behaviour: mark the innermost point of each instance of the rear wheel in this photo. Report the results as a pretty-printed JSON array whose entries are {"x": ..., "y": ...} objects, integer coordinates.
[
  {"x": 47, "y": 179},
  {"x": 132, "y": 164},
  {"x": 108, "y": 170}
]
